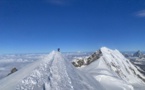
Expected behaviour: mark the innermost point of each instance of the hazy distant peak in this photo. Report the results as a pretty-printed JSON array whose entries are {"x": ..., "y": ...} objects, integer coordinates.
[{"x": 138, "y": 54}]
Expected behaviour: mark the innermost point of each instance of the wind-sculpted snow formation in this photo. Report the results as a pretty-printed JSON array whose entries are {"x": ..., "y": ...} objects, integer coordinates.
[{"x": 54, "y": 72}]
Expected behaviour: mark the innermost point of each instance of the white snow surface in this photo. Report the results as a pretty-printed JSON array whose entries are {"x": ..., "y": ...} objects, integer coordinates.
[
  {"x": 115, "y": 72},
  {"x": 53, "y": 72},
  {"x": 112, "y": 71}
]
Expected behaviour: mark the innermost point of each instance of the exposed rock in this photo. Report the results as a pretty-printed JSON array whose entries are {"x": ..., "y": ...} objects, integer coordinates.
[
  {"x": 87, "y": 61},
  {"x": 13, "y": 70}
]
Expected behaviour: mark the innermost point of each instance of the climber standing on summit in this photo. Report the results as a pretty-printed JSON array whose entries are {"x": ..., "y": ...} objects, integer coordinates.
[{"x": 58, "y": 49}]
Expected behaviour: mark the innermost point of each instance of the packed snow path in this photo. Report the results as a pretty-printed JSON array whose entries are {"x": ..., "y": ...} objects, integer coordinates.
[{"x": 52, "y": 73}]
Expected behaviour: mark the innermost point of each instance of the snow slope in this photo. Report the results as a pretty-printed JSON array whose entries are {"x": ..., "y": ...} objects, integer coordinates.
[
  {"x": 113, "y": 70},
  {"x": 54, "y": 72}
]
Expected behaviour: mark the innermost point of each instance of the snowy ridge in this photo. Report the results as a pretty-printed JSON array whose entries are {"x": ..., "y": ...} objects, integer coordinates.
[
  {"x": 114, "y": 71},
  {"x": 122, "y": 66},
  {"x": 106, "y": 69},
  {"x": 54, "y": 72}
]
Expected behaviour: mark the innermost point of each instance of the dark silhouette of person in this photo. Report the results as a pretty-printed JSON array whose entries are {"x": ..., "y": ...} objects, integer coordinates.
[{"x": 58, "y": 49}]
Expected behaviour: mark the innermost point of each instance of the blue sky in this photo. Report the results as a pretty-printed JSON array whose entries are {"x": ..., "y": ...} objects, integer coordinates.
[{"x": 33, "y": 26}]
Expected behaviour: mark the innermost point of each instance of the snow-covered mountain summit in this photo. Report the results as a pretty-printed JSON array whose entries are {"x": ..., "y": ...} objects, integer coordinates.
[
  {"x": 110, "y": 67},
  {"x": 54, "y": 72},
  {"x": 106, "y": 69},
  {"x": 138, "y": 54}
]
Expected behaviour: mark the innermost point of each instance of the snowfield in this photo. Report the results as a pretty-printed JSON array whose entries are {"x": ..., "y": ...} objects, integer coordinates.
[
  {"x": 105, "y": 70},
  {"x": 113, "y": 71},
  {"x": 9, "y": 61},
  {"x": 51, "y": 73}
]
